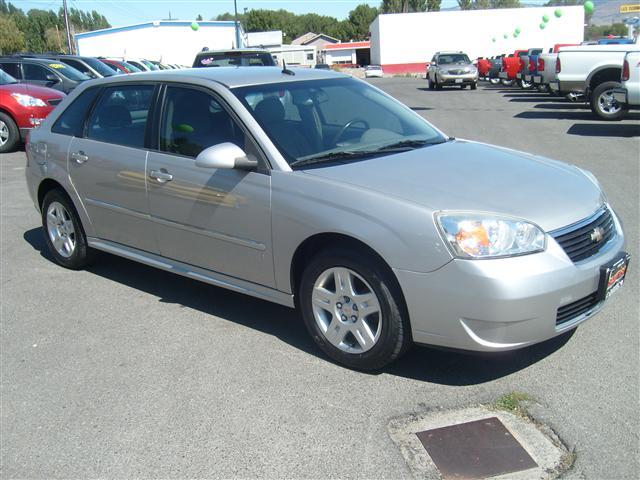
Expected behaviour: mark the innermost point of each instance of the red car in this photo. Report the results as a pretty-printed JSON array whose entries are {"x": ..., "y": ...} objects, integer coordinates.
[
  {"x": 22, "y": 107},
  {"x": 120, "y": 66}
]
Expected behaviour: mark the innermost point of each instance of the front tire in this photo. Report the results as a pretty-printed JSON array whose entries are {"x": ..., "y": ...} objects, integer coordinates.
[
  {"x": 525, "y": 85},
  {"x": 474, "y": 86},
  {"x": 604, "y": 106},
  {"x": 353, "y": 309},
  {"x": 431, "y": 85},
  {"x": 9, "y": 133},
  {"x": 63, "y": 232}
]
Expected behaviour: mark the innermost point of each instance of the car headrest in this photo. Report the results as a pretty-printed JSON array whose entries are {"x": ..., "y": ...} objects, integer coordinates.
[
  {"x": 270, "y": 110},
  {"x": 114, "y": 116}
]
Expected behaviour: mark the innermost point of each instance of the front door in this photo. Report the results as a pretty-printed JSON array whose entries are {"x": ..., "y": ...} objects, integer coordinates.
[
  {"x": 107, "y": 166},
  {"x": 217, "y": 219}
]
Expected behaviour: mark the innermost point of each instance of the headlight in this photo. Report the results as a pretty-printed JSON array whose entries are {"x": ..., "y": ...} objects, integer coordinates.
[
  {"x": 442, "y": 70},
  {"x": 472, "y": 235},
  {"x": 28, "y": 100}
]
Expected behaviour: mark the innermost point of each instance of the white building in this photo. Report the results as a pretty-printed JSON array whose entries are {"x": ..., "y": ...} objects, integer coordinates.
[
  {"x": 349, "y": 53},
  {"x": 166, "y": 41},
  {"x": 295, "y": 55},
  {"x": 405, "y": 42}
]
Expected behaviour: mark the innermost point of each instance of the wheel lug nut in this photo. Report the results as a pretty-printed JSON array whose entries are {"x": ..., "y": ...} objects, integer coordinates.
[
  {"x": 355, "y": 307},
  {"x": 339, "y": 305},
  {"x": 347, "y": 299},
  {"x": 353, "y": 318},
  {"x": 344, "y": 318}
]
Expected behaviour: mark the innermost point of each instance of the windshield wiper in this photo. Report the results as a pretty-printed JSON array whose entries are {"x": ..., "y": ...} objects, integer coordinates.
[
  {"x": 408, "y": 145},
  {"x": 328, "y": 157}
]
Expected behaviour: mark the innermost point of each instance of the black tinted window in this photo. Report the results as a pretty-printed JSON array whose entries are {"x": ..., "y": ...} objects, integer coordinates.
[
  {"x": 12, "y": 69},
  {"x": 72, "y": 119},
  {"x": 78, "y": 66},
  {"x": 193, "y": 120},
  {"x": 120, "y": 116},
  {"x": 35, "y": 72}
]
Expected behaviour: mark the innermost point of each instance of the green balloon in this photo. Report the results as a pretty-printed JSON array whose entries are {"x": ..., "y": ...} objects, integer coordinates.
[
  {"x": 518, "y": 30},
  {"x": 545, "y": 18},
  {"x": 194, "y": 26},
  {"x": 493, "y": 39},
  {"x": 506, "y": 35},
  {"x": 543, "y": 26},
  {"x": 588, "y": 7},
  {"x": 558, "y": 13}
]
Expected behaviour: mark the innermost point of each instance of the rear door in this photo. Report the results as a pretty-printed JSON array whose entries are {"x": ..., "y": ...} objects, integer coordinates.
[
  {"x": 107, "y": 165},
  {"x": 217, "y": 219}
]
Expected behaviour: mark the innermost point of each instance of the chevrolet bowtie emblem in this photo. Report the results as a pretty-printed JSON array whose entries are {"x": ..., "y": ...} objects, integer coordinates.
[{"x": 597, "y": 235}]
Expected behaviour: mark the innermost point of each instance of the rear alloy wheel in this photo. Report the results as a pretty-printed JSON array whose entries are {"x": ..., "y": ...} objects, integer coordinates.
[
  {"x": 494, "y": 81},
  {"x": 525, "y": 85},
  {"x": 9, "y": 133},
  {"x": 604, "y": 105},
  {"x": 506, "y": 82},
  {"x": 352, "y": 309},
  {"x": 63, "y": 231}
]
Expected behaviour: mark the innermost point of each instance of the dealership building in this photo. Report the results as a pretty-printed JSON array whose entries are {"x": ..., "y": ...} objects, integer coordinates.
[{"x": 405, "y": 42}]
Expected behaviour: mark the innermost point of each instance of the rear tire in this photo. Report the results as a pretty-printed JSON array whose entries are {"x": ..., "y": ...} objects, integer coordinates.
[
  {"x": 9, "y": 133},
  {"x": 63, "y": 232},
  {"x": 494, "y": 81},
  {"x": 353, "y": 309},
  {"x": 604, "y": 106}
]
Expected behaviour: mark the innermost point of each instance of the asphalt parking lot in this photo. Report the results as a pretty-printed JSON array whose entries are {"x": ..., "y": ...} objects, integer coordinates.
[{"x": 126, "y": 371}]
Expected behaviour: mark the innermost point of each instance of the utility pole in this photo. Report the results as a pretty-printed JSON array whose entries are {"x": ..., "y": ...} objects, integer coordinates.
[
  {"x": 235, "y": 8},
  {"x": 66, "y": 25}
]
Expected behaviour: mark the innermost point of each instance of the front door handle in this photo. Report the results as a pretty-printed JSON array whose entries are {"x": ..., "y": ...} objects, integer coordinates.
[
  {"x": 79, "y": 157},
  {"x": 161, "y": 176}
]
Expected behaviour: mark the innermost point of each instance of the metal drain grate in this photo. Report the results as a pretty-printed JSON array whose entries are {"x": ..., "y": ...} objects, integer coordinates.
[{"x": 472, "y": 450}]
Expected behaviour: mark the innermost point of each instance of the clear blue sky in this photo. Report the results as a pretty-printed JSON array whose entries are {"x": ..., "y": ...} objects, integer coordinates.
[{"x": 124, "y": 12}]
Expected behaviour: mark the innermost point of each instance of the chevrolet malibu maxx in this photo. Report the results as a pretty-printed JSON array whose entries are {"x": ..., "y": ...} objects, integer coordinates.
[{"x": 317, "y": 191}]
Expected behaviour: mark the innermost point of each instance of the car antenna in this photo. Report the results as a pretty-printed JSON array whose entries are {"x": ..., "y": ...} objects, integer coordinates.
[{"x": 285, "y": 70}]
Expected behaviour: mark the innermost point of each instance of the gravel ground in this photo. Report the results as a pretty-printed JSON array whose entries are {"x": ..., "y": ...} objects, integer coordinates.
[{"x": 126, "y": 371}]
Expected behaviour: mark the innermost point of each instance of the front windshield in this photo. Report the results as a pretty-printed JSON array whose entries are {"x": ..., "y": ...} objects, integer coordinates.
[
  {"x": 327, "y": 119},
  {"x": 453, "y": 58},
  {"x": 99, "y": 67},
  {"x": 6, "y": 79},
  {"x": 69, "y": 72}
]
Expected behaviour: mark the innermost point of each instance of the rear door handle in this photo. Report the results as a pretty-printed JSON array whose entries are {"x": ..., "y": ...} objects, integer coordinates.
[
  {"x": 161, "y": 176},
  {"x": 79, "y": 157}
]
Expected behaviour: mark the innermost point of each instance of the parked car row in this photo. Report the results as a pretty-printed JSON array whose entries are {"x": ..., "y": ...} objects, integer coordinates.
[{"x": 603, "y": 74}]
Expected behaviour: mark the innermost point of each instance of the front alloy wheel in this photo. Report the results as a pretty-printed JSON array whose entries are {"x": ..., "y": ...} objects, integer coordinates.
[
  {"x": 353, "y": 307},
  {"x": 346, "y": 310}
]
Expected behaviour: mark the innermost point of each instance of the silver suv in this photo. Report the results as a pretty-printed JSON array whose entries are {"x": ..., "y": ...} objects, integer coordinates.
[
  {"x": 449, "y": 69},
  {"x": 315, "y": 190}
]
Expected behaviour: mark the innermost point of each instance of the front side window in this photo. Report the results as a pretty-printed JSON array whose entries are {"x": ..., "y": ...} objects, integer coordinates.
[
  {"x": 78, "y": 66},
  {"x": 71, "y": 122},
  {"x": 193, "y": 120},
  {"x": 120, "y": 116},
  {"x": 35, "y": 72},
  {"x": 317, "y": 119}
]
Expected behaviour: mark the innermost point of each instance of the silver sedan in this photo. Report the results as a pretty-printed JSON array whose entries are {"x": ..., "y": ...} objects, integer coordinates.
[{"x": 315, "y": 190}]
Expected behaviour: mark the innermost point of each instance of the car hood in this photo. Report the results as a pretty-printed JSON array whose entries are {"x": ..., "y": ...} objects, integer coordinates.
[
  {"x": 33, "y": 90},
  {"x": 470, "y": 176}
]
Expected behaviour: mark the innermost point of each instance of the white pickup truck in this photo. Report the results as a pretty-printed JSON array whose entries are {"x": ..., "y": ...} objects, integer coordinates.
[
  {"x": 590, "y": 73},
  {"x": 629, "y": 94}
]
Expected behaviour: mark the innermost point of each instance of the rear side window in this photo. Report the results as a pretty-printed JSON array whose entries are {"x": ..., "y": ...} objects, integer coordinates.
[
  {"x": 12, "y": 69},
  {"x": 78, "y": 66},
  {"x": 120, "y": 116},
  {"x": 71, "y": 121}
]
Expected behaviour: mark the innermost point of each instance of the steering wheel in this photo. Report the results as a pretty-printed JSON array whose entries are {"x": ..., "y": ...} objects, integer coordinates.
[{"x": 347, "y": 126}]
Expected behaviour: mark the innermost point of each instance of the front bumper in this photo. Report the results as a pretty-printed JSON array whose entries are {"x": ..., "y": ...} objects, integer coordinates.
[
  {"x": 444, "y": 79},
  {"x": 620, "y": 95},
  {"x": 502, "y": 304}
]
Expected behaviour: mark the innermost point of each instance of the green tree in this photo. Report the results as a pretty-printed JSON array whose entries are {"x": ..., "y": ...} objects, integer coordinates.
[
  {"x": 563, "y": 3},
  {"x": 505, "y": 3},
  {"x": 403, "y": 6},
  {"x": 482, "y": 4},
  {"x": 199, "y": 18},
  {"x": 433, "y": 5},
  {"x": 11, "y": 39},
  {"x": 465, "y": 4},
  {"x": 360, "y": 18}
]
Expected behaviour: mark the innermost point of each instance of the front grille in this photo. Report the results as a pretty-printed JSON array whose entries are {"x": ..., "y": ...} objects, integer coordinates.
[
  {"x": 54, "y": 101},
  {"x": 456, "y": 72},
  {"x": 577, "y": 308},
  {"x": 586, "y": 238}
]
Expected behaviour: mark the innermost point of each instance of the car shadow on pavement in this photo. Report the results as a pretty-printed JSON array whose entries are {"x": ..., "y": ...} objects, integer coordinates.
[
  {"x": 421, "y": 363},
  {"x": 586, "y": 115},
  {"x": 605, "y": 130},
  {"x": 563, "y": 106},
  {"x": 529, "y": 98}
]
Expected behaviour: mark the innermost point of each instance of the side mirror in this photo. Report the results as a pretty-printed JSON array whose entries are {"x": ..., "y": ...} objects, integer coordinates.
[
  {"x": 52, "y": 78},
  {"x": 225, "y": 155}
]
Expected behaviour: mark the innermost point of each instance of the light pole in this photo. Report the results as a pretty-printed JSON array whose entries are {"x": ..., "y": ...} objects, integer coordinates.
[
  {"x": 235, "y": 9},
  {"x": 66, "y": 25}
]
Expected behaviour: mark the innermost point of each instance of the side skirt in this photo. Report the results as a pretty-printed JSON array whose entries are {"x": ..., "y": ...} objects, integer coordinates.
[{"x": 200, "y": 274}]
